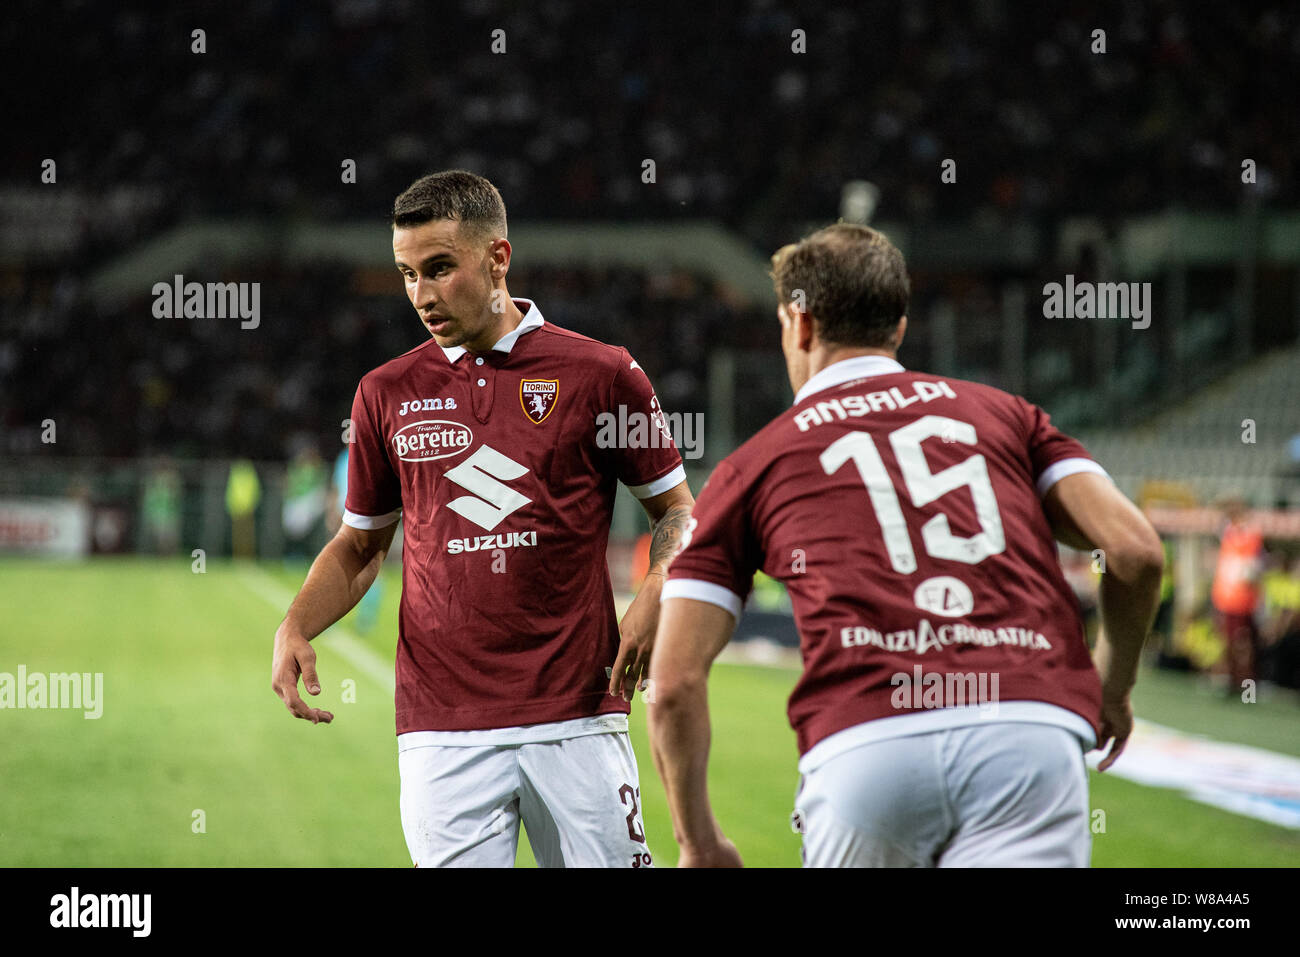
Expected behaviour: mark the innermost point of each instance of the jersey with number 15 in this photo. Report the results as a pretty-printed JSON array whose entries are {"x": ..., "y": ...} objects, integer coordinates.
[{"x": 902, "y": 512}]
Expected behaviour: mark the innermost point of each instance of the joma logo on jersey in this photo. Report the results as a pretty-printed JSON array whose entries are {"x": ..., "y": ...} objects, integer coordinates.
[
  {"x": 426, "y": 405},
  {"x": 431, "y": 439},
  {"x": 488, "y": 542},
  {"x": 537, "y": 396}
]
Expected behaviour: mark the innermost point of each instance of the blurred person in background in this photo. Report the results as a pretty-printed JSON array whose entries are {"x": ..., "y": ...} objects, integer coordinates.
[
  {"x": 1163, "y": 628},
  {"x": 1279, "y": 659},
  {"x": 161, "y": 507},
  {"x": 303, "y": 513},
  {"x": 1235, "y": 592},
  {"x": 243, "y": 492}
]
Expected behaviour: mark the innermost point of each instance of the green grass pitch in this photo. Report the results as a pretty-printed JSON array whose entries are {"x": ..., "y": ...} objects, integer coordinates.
[{"x": 195, "y": 762}]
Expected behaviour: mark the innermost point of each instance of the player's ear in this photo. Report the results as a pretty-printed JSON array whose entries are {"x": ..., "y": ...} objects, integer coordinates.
[
  {"x": 499, "y": 253},
  {"x": 804, "y": 329},
  {"x": 899, "y": 333}
]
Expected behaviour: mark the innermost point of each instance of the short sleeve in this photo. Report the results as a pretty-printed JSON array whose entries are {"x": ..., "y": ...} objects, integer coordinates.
[
  {"x": 639, "y": 434},
  {"x": 1052, "y": 454},
  {"x": 374, "y": 490},
  {"x": 718, "y": 562}
]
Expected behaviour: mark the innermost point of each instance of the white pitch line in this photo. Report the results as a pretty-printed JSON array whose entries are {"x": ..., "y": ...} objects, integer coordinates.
[
  {"x": 1246, "y": 780},
  {"x": 339, "y": 637}
]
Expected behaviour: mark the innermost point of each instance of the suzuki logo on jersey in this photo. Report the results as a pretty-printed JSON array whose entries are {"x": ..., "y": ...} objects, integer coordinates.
[
  {"x": 537, "y": 396},
  {"x": 486, "y": 543},
  {"x": 485, "y": 474},
  {"x": 431, "y": 439}
]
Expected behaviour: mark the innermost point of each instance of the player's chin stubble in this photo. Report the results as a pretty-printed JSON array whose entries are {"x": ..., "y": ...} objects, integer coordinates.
[{"x": 448, "y": 341}]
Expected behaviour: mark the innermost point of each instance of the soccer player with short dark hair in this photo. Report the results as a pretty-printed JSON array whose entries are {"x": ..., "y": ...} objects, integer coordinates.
[
  {"x": 514, "y": 676},
  {"x": 947, "y": 695}
]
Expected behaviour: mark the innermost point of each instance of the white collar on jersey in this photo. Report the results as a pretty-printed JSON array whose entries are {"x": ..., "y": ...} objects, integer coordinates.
[
  {"x": 846, "y": 370},
  {"x": 532, "y": 320}
]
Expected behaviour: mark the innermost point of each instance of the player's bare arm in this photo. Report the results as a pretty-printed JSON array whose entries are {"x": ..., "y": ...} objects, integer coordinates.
[
  {"x": 691, "y": 635},
  {"x": 1088, "y": 512},
  {"x": 340, "y": 576},
  {"x": 669, "y": 512}
]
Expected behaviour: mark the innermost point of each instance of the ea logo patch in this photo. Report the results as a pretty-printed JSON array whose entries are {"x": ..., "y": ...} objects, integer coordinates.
[
  {"x": 944, "y": 595},
  {"x": 537, "y": 396}
]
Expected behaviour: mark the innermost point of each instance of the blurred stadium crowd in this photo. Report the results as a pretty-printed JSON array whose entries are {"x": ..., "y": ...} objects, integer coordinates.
[
  {"x": 149, "y": 135},
  {"x": 740, "y": 129},
  {"x": 125, "y": 384}
]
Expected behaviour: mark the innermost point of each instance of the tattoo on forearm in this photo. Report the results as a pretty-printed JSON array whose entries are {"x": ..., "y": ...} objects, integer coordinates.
[{"x": 667, "y": 536}]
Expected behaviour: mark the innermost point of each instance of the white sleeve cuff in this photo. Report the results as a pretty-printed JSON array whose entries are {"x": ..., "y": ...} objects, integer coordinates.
[
  {"x": 1059, "y": 470},
  {"x": 660, "y": 485},
  {"x": 370, "y": 522},
  {"x": 699, "y": 590}
]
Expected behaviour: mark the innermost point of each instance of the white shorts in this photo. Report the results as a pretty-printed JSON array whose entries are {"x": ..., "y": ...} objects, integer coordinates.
[
  {"x": 579, "y": 798},
  {"x": 997, "y": 794}
]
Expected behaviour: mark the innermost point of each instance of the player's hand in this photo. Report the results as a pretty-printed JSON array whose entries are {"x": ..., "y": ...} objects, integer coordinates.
[
  {"x": 719, "y": 853},
  {"x": 637, "y": 630},
  {"x": 1117, "y": 724},
  {"x": 295, "y": 656}
]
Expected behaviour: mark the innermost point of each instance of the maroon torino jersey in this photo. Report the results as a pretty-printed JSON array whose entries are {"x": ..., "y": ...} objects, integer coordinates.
[
  {"x": 493, "y": 460},
  {"x": 902, "y": 512}
]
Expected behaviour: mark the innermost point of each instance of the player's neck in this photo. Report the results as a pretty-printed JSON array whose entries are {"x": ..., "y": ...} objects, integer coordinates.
[
  {"x": 509, "y": 320},
  {"x": 821, "y": 358}
]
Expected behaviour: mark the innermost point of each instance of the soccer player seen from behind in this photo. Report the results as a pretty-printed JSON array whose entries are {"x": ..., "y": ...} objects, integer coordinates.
[
  {"x": 514, "y": 676},
  {"x": 947, "y": 695}
]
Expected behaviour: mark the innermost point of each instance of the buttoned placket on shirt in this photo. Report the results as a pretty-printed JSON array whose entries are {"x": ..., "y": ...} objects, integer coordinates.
[{"x": 480, "y": 370}]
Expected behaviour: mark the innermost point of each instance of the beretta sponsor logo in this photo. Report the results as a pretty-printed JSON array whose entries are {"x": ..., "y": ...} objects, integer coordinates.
[{"x": 431, "y": 439}]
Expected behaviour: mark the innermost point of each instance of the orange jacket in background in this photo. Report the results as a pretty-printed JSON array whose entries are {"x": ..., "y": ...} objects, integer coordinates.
[{"x": 1236, "y": 589}]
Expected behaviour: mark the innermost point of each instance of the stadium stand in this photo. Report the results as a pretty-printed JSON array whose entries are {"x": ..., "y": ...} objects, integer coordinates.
[{"x": 1236, "y": 436}]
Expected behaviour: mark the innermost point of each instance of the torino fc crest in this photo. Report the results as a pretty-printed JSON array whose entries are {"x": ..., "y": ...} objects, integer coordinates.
[{"x": 537, "y": 396}]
